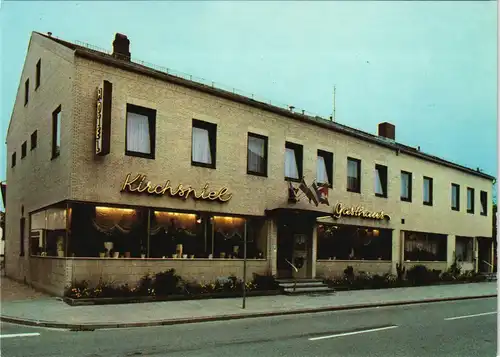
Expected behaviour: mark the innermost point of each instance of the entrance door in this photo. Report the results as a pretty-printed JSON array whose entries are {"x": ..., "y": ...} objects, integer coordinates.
[
  {"x": 484, "y": 246},
  {"x": 294, "y": 247}
]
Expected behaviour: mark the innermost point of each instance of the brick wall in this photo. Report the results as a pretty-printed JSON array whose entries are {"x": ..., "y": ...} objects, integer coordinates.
[{"x": 335, "y": 268}]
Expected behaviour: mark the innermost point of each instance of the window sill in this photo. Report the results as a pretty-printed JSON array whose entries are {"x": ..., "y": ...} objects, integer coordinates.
[
  {"x": 455, "y": 209},
  {"x": 380, "y": 195},
  {"x": 140, "y": 154},
  {"x": 403, "y": 199},
  {"x": 484, "y": 214},
  {"x": 427, "y": 204},
  {"x": 353, "y": 190},
  {"x": 470, "y": 212},
  {"x": 55, "y": 156},
  {"x": 202, "y": 164},
  {"x": 254, "y": 173},
  {"x": 323, "y": 183},
  {"x": 292, "y": 179}
]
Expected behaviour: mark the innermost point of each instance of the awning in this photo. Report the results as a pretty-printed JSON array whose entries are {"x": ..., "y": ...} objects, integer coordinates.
[{"x": 288, "y": 211}]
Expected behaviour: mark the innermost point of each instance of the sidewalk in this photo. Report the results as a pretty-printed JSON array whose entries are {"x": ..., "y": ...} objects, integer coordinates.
[{"x": 51, "y": 312}]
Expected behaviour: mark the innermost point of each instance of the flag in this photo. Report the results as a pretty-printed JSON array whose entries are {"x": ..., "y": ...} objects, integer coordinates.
[
  {"x": 292, "y": 193},
  {"x": 321, "y": 192},
  {"x": 308, "y": 192}
]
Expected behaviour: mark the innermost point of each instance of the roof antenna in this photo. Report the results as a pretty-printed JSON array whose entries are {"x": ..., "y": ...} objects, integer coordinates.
[{"x": 332, "y": 118}]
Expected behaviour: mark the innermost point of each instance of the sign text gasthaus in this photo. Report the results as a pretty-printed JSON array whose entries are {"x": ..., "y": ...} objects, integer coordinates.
[
  {"x": 139, "y": 184},
  {"x": 358, "y": 211}
]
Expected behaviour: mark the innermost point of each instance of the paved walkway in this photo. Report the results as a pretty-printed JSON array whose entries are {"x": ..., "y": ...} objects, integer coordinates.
[{"x": 52, "y": 312}]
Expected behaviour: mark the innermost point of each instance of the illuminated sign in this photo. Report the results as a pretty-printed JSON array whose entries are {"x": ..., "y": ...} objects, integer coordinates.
[
  {"x": 358, "y": 212},
  {"x": 139, "y": 184},
  {"x": 103, "y": 119}
]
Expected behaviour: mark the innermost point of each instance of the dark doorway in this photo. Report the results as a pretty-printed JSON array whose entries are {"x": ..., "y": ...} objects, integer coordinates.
[
  {"x": 290, "y": 227},
  {"x": 484, "y": 254}
]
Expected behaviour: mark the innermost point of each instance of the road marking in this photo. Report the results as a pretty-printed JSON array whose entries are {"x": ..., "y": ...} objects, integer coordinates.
[
  {"x": 20, "y": 335},
  {"x": 352, "y": 333},
  {"x": 466, "y": 316}
]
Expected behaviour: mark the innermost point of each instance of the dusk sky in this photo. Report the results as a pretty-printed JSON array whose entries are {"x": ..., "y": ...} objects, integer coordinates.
[{"x": 430, "y": 68}]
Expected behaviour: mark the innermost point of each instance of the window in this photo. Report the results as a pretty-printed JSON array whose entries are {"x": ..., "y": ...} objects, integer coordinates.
[
  {"x": 23, "y": 150},
  {"x": 425, "y": 246},
  {"x": 33, "y": 140},
  {"x": 353, "y": 175},
  {"x": 56, "y": 132},
  {"x": 257, "y": 155},
  {"x": 140, "y": 132},
  {"x": 26, "y": 91},
  {"x": 13, "y": 163},
  {"x": 464, "y": 249},
  {"x": 204, "y": 144},
  {"x": 380, "y": 181},
  {"x": 38, "y": 73},
  {"x": 470, "y": 200},
  {"x": 22, "y": 224},
  {"x": 406, "y": 186},
  {"x": 324, "y": 167},
  {"x": 428, "y": 191},
  {"x": 455, "y": 197},
  {"x": 484, "y": 203},
  {"x": 293, "y": 161}
]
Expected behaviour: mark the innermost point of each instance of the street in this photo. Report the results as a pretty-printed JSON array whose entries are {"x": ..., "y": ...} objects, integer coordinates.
[{"x": 461, "y": 328}]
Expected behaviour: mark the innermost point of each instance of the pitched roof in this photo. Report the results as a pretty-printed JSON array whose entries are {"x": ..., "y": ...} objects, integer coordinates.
[{"x": 110, "y": 60}]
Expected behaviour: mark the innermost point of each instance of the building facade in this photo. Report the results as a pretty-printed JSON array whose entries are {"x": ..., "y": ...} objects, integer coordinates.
[{"x": 116, "y": 170}]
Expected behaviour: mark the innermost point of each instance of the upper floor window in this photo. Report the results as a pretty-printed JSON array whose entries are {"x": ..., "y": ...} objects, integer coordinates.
[
  {"x": 293, "y": 161},
  {"x": 470, "y": 200},
  {"x": 380, "y": 180},
  {"x": 428, "y": 191},
  {"x": 26, "y": 91},
  {"x": 353, "y": 175},
  {"x": 484, "y": 202},
  {"x": 33, "y": 140},
  {"x": 24, "y": 147},
  {"x": 141, "y": 132},
  {"x": 38, "y": 73},
  {"x": 204, "y": 144},
  {"x": 406, "y": 186},
  {"x": 455, "y": 197},
  {"x": 13, "y": 160},
  {"x": 324, "y": 167},
  {"x": 56, "y": 132},
  {"x": 257, "y": 155}
]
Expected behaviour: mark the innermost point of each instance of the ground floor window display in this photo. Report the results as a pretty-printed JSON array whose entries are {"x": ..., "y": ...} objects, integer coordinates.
[
  {"x": 343, "y": 242},
  {"x": 420, "y": 246},
  {"x": 86, "y": 230}
]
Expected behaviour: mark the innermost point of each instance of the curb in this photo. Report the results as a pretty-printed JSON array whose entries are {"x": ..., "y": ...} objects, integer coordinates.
[{"x": 95, "y": 326}]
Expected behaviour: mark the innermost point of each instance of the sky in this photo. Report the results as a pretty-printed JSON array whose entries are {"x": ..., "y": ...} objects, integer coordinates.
[{"x": 430, "y": 68}]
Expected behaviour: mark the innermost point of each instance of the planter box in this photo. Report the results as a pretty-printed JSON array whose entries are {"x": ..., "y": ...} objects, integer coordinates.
[{"x": 143, "y": 299}]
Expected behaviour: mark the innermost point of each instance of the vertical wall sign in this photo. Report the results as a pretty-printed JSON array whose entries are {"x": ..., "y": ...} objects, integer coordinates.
[{"x": 103, "y": 119}]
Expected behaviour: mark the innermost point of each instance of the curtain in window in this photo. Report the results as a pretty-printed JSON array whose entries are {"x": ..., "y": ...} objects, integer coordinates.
[
  {"x": 58, "y": 133},
  {"x": 321, "y": 173},
  {"x": 427, "y": 191},
  {"x": 291, "y": 169},
  {"x": 352, "y": 175},
  {"x": 379, "y": 188},
  {"x": 454, "y": 197},
  {"x": 108, "y": 219},
  {"x": 201, "y": 146},
  {"x": 405, "y": 186},
  {"x": 138, "y": 133},
  {"x": 256, "y": 150}
]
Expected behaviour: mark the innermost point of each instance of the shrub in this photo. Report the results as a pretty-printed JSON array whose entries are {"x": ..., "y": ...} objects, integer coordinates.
[
  {"x": 264, "y": 282},
  {"x": 167, "y": 283},
  {"x": 349, "y": 272},
  {"x": 145, "y": 285},
  {"x": 420, "y": 275}
]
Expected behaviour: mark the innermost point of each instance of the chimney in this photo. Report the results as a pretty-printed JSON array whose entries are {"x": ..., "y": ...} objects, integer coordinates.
[
  {"x": 387, "y": 130},
  {"x": 121, "y": 46}
]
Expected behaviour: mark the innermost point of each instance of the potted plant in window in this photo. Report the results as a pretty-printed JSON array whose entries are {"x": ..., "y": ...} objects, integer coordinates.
[{"x": 60, "y": 246}]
